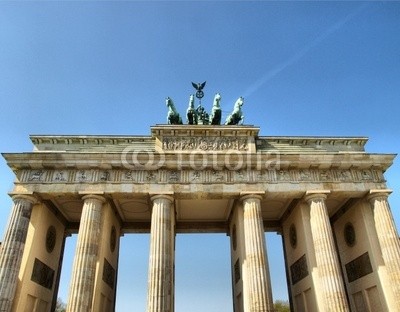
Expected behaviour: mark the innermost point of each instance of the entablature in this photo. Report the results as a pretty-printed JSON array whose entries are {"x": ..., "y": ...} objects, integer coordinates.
[{"x": 206, "y": 160}]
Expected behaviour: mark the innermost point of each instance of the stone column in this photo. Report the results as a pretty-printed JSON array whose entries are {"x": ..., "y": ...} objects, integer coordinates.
[
  {"x": 12, "y": 248},
  {"x": 257, "y": 284},
  {"x": 388, "y": 238},
  {"x": 160, "y": 296},
  {"x": 332, "y": 286},
  {"x": 84, "y": 268}
]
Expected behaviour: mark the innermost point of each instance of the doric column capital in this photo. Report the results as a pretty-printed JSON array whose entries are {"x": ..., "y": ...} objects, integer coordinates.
[
  {"x": 167, "y": 197},
  {"x": 316, "y": 195},
  {"x": 378, "y": 193},
  {"x": 251, "y": 195},
  {"x": 27, "y": 197},
  {"x": 97, "y": 197}
]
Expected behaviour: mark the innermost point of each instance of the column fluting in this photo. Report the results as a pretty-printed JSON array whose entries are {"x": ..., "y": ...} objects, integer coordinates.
[
  {"x": 160, "y": 296},
  {"x": 84, "y": 268},
  {"x": 12, "y": 248},
  {"x": 332, "y": 286},
  {"x": 258, "y": 289},
  {"x": 388, "y": 238}
]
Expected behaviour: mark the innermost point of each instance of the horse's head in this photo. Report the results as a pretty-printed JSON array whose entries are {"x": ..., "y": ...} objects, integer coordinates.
[
  {"x": 239, "y": 103},
  {"x": 170, "y": 104},
  {"x": 217, "y": 99}
]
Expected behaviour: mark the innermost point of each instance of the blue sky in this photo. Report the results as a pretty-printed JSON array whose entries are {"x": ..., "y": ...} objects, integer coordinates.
[{"x": 102, "y": 67}]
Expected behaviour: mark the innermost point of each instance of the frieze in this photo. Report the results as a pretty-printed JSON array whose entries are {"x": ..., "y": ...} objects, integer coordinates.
[
  {"x": 204, "y": 143},
  {"x": 172, "y": 176}
]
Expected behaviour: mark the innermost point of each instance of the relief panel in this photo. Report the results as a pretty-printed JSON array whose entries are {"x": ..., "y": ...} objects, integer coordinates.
[{"x": 201, "y": 176}]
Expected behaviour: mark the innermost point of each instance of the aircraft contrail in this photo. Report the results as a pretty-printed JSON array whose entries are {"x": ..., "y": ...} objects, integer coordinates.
[{"x": 303, "y": 51}]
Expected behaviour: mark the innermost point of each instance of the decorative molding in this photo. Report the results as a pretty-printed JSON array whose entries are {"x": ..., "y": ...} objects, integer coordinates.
[
  {"x": 202, "y": 176},
  {"x": 355, "y": 144}
]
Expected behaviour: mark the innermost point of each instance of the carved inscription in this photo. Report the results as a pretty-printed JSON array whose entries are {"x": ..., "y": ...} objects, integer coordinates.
[
  {"x": 359, "y": 267},
  {"x": 108, "y": 274},
  {"x": 299, "y": 269},
  {"x": 204, "y": 144},
  {"x": 42, "y": 274}
]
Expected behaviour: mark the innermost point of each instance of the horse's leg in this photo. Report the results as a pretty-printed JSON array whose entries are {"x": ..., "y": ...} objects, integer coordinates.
[{"x": 190, "y": 118}]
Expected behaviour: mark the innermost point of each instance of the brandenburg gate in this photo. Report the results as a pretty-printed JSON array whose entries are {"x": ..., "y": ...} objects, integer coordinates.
[{"x": 326, "y": 196}]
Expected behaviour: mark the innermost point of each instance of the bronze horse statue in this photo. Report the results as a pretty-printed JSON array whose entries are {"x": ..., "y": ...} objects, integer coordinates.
[
  {"x": 191, "y": 113},
  {"x": 216, "y": 110},
  {"x": 173, "y": 117},
  {"x": 236, "y": 116}
]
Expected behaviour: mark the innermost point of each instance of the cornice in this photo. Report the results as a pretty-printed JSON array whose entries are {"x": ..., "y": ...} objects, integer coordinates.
[{"x": 238, "y": 160}]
